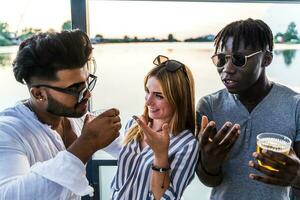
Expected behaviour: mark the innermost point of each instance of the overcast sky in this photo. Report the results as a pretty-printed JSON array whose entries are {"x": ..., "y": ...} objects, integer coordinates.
[{"x": 146, "y": 18}]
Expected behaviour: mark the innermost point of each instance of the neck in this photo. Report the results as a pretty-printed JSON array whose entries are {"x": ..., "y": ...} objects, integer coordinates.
[
  {"x": 44, "y": 116},
  {"x": 256, "y": 93}
]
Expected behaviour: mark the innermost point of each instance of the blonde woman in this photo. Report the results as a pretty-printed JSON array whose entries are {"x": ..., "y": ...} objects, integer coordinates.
[{"x": 159, "y": 154}]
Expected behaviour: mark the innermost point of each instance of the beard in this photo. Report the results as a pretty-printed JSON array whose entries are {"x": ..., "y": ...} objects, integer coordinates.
[{"x": 56, "y": 108}]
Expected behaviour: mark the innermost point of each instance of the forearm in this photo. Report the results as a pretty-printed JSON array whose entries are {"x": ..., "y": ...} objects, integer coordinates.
[
  {"x": 160, "y": 181},
  {"x": 207, "y": 178},
  {"x": 81, "y": 149}
]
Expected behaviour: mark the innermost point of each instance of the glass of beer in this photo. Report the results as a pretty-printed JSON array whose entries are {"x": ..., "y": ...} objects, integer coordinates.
[{"x": 273, "y": 142}]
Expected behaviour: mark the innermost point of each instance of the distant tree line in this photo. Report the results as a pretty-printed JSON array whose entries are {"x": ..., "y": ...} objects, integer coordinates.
[{"x": 10, "y": 38}]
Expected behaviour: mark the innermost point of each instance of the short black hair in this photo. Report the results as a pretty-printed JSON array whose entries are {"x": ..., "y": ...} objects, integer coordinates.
[
  {"x": 43, "y": 54},
  {"x": 254, "y": 33}
]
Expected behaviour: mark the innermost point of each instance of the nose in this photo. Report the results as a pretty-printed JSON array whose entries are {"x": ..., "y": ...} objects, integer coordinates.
[
  {"x": 229, "y": 66},
  {"x": 149, "y": 99}
]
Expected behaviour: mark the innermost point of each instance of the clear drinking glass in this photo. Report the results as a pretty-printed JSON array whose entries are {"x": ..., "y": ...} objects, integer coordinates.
[{"x": 273, "y": 142}]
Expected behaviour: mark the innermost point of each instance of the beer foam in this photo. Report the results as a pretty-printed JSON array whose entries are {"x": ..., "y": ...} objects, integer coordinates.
[{"x": 274, "y": 144}]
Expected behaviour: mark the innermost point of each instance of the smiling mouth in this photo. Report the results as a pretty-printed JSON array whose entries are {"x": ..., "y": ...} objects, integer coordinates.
[{"x": 153, "y": 110}]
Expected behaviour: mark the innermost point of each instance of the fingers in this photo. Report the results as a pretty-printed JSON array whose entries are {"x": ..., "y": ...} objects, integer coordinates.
[
  {"x": 209, "y": 130},
  {"x": 140, "y": 122},
  {"x": 110, "y": 113},
  {"x": 204, "y": 123},
  {"x": 87, "y": 119},
  {"x": 280, "y": 157},
  {"x": 226, "y": 133},
  {"x": 266, "y": 171},
  {"x": 268, "y": 180}
]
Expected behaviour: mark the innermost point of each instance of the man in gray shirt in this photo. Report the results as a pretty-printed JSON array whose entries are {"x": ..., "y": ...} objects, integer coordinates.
[{"x": 255, "y": 105}]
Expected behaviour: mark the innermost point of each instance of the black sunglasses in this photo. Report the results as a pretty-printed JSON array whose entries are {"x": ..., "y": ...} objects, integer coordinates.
[
  {"x": 171, "y": 65},
  {"x": 89, "y": 86},
  {"x": 237, "y": 59}
]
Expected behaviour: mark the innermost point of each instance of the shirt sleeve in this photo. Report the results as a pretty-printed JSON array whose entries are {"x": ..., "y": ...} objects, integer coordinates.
[
  {"x": 182, "y": 171},
  {"x": 52, "y": 179},
  {"x": 297, "y": 118},
  {"x": 203, "y": 108}
]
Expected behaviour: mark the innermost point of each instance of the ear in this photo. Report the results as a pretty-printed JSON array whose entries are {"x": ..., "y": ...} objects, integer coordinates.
[
  {"x": 38, "y": 94},
  {"x": 267, "y": 59}
]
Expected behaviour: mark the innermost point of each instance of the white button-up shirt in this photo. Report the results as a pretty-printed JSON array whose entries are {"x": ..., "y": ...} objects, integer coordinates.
[{"x": 34, "y": 163}]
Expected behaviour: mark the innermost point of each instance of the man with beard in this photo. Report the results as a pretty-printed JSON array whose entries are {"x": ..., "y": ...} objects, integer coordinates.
[
  {"x": 231, "y": 119},
  {"x": 46, "y": 141}
]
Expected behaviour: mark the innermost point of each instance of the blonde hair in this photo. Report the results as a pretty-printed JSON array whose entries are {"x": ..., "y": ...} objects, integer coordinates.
[{"x": 178, "y": 88}]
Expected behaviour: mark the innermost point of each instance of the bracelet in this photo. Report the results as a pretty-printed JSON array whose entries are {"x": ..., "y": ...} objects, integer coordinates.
[{"x": 160, "y": 169}]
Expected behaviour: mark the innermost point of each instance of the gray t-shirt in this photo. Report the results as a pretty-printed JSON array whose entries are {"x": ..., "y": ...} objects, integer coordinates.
[{"x": 278, "y": 112}]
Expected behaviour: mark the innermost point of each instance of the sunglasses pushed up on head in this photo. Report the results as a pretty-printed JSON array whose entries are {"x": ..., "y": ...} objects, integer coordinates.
[
  {"x": 238, "y": 59},
  {"x": 171, "y": 65}
]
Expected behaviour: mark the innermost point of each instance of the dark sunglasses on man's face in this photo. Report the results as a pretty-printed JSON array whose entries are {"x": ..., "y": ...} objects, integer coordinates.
[
  {"x": 237, "y": 59},
  {"x": 89, "y": 86},
  {"x": 171, "y": 65}
]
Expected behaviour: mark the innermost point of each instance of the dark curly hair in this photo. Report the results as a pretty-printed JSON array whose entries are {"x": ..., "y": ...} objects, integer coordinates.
[
  {"x": 42, "y": 55},
  {"x": 254, "y": 33}
]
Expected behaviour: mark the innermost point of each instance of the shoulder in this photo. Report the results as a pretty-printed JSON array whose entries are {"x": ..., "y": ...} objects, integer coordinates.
[
  {"x": 208, "y": 102},
  {"x": 285, "y": 94},
  {"x": 216, "y": 96},
  {"x": 15, "y": 121},
  {"x": 11, "y": 117},
  {"x": 185, "y": 138},
  {"x": 284, "y": 90}
]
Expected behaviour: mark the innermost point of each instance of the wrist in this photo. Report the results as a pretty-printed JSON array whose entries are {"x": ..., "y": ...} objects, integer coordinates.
[
  {"x": 160, "y": 169},
  {"x": 215, "y": 170},
  {"x": 82, "y": 150},
  {"x": 161, "y": 160}
]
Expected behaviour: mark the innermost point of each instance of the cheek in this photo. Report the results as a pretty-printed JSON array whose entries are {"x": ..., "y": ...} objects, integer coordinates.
[
  {"x": 167, "y": 108},
  {"x": 146, "y": 96}
]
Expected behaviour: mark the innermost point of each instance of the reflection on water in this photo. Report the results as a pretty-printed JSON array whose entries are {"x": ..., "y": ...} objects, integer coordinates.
[
  {"x": 5, "y": 59},
  {"x": 121, "y": 71},
  {"x": 288, "y": 55}
]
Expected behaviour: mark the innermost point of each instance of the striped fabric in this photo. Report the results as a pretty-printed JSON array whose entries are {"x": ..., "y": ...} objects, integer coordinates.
[{"x": 133, "y": 177}]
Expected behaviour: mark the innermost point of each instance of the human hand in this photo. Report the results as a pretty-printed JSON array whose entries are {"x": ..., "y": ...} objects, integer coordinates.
[
  {"x": 103, "y": 129},
  {"x": 216, "y": 145},
  {"x": 287, "y": 168},
  {"x": 97, "y": 133},
  {"x": 158, "y": 141}
]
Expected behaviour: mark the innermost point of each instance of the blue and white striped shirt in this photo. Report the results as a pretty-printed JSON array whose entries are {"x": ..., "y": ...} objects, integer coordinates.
[{"x": 133, "y": 176}]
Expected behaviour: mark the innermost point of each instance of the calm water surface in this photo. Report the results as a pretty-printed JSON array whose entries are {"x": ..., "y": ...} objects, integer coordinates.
[{"x": 121, "y": 70}]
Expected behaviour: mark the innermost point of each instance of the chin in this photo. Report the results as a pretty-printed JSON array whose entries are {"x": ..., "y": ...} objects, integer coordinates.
[{"x": 233, "y": 90}]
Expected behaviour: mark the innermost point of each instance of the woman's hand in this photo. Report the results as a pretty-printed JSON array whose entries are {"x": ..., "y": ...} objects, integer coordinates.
[{"x": 158, "y": 141}]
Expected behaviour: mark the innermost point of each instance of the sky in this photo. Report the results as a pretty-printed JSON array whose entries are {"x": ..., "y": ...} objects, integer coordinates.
[{"x": 114, "y": 19}]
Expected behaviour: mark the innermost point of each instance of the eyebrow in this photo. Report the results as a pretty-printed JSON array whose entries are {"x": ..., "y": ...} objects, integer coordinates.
[{"x": 158, "y": 93}]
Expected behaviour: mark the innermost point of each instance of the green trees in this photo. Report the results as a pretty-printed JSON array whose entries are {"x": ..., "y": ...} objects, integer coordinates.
[
  {"x": 290, "y": 36},
  {"x": 67, "y": 25},
  {"x": 5, "y": 35},
  {"x": 291, "y": 33}
]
